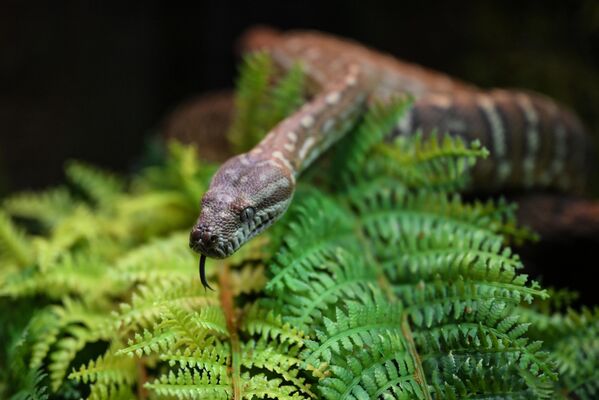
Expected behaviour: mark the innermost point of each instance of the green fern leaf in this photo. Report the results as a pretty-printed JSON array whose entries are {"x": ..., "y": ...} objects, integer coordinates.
[
  {"x": 282, "y": 359},
  {"x": 100, "y": 187},
  {"x": 260, "y": 103},
  {"x": 107, "y": 369},
  {"x": 149, "y": 302},
  {"x": 353, "y": 150},
  {"x": 47, "y": 207},
  {"x": 261, "y": 387},
  {"x": 268, "y": 325},
  {"x": 191, "y": 384},
  {"x": 252, "y": 91},
  {"x": 15, "y": 247},
  {"x": 36, "y": 390}
]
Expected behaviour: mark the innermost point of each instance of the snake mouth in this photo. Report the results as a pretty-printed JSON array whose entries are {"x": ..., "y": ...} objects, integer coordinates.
[
  {"x": 212, "y": 252},
  {"x": 232, "y": 245},
  {"x": 223, "y": 249}
]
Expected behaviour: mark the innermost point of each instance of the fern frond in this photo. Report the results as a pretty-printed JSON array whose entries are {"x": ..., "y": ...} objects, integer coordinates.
[
  {"x": 572, "y": 339},
  {"x": 107, "y": 369},
  {"x": 252, "y": 90},
  {"x": 98, "y": 186},
  {"x": 282, "y": 359},
  {"x": 164, "y": 259},
  {"x": 44, "y": 329},
  {"x": 213, "y": 359},
  {"x": 182, "y": 173},
  {"x": 438, "y": 163},
  {"x": 249, "y": 279},
  {"x": 384, "y": 211},
  {"x": 180, "y": 328},
  {"x": 150, "y": 342},
  {"x": 80, "y": 326},
  {"x": 65, "y": 351},
  {"x": 81, "y": 227},
  {"x": 261, "y": 100},
  {"x": 57, "y": 333},
  {"x": 317, "y": 226},
  {"x": 346, "y": 276},
  {"x": 15, "y": 247},
  {"x": 35, "y": 388},
  {"x": 287, "y": 94},
  {"x": 191, "y": 384},
  {"x": 268, "y": 325},
  {"x": 471, "y": 378},
  {"x": 150, "y": 215},
  {"x": 74, "y": 274},
  {"x": 464, "y": 348},
  {"x": 149, "y": 302},
  {"x": 388, "y": 370},
  {"x": 262, "y": 387},
  {"x": 207, "y": 322},
  {"x": 351, "y": 330},
  {"x": 353, "y": 150},
  {"x": 479, "y": 264},
  {"x": 47, "y": 207},
  {"x": 110, "y": 392}
]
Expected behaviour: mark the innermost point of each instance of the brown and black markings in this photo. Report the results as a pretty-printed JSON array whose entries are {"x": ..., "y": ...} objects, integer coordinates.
[{"x": 533, "y": 140}]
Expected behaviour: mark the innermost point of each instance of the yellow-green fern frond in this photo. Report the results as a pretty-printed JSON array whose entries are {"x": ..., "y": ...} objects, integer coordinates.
[
  {"x": 98, "y": 186},
  {"x": 15, "y": 247},
  {"x": 262, "y": 100}
]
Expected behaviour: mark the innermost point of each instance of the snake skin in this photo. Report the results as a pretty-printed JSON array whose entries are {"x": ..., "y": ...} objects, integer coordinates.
[{"x": 534, "y": 142}]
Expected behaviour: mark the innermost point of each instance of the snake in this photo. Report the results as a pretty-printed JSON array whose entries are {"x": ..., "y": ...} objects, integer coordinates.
[{"x": 533, "y": 141}]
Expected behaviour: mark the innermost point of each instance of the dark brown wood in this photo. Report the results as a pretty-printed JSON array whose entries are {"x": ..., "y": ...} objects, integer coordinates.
[{"x": 559, "y": 217}]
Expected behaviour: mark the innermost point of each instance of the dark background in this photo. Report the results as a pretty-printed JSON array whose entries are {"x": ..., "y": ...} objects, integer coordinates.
[{"x": 93, "y": 80}]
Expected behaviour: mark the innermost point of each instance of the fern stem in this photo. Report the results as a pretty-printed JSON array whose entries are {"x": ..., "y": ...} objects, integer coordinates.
[
  {"x": 227, "y": 304},
  {"x": 142, "y": 378},
  {"x": 418, "y": 372}
]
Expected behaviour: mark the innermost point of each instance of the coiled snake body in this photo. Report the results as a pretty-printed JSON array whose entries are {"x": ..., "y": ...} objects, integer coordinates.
[{"x": 533, "y": 140}]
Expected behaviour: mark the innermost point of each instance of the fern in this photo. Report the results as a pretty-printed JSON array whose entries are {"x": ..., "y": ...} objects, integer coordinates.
[
  {"x": 260, "y": 103},
  {"x": 48, "y": 208},
  {"x": 107, "y": 369},
  {"x": 97, "y": 186},
  {"x": 34, "y": 390},
  {"x": 191, "y": 384},
  {"x": 14, "y": 245},
  {"x": 437, "y": 162},
  {"x": 573, "y": 341},
  {"x": 358, "y": 144},
  {"x": 380, "y": 282}
]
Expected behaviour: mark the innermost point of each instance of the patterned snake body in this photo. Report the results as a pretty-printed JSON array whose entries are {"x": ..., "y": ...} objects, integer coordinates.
[{"x": 533, "y": 140}]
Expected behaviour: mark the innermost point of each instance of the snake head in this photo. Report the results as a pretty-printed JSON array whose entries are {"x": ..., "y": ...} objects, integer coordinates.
[{"x": 245, "y": 196}]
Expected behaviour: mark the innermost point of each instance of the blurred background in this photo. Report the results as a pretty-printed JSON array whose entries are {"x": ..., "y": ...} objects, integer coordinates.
[{"x": 93, "y": 80}]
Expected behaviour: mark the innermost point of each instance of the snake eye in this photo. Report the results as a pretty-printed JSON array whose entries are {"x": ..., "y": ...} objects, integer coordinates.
[{"x": 247, "y": 214}]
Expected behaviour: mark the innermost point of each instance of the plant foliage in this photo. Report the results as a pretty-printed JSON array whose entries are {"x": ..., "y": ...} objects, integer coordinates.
[{"x": 381, "y": 282}]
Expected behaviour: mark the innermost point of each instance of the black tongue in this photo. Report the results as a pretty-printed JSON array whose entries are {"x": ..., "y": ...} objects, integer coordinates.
[{"x": 203, "y": 272}]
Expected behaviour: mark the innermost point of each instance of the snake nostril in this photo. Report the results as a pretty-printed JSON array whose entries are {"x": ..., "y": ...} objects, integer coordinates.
[
  {"x": 207, "y": 237},
  {"x": 196, "y": 235}
]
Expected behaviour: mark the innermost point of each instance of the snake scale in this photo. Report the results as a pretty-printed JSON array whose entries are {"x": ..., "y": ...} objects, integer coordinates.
[{"x": 534, "y": 142}]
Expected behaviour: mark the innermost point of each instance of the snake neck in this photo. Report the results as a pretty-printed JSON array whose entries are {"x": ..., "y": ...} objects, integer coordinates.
[
  {"x": 529, "y": 136},
  {"x": 252, "y": 190},
  {"x": 534, "y": 141},
  {"x": 299, "y": 139}
]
